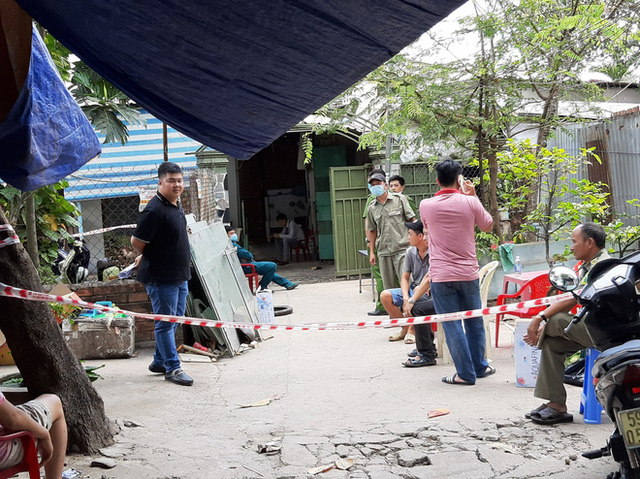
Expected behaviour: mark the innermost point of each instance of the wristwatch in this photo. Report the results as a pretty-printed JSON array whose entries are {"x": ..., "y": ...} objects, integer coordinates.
[
  {"x": 410, "y": 300},
  {"x": 542, "y": 315}
]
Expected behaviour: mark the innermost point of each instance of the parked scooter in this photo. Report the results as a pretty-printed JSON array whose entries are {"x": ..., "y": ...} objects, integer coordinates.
[
  {"x": 72, "y": 266},
  {"x": 611, "y": 314}
]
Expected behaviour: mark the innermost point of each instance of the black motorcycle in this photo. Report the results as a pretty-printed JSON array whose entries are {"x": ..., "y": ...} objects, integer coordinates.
[
  {"x": 611, "y": 313},
  {"x": 72, "y": 266}
]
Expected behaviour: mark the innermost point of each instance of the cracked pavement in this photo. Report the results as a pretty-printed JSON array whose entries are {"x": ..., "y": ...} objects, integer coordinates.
[{"x": 344, "y": 394}]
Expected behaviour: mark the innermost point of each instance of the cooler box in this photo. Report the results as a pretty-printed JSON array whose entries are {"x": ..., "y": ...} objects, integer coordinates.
[
  {"x": 102, "y": 336},
  {"x": 527, "y": 357}
]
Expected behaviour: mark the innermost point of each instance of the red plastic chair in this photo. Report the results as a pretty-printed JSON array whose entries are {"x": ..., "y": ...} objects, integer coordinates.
[
  {"x": 251, "y": 277},
  {"x": 303, "y": 246},
  {"x": 29, "y": 460},
  {"x": 532, "y": 289}
]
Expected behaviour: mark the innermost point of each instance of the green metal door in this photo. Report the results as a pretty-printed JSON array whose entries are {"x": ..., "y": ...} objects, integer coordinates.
[
  {"x": 348, "y": 198},
  {"x": 323, "y": 159},
  {"x": 420, "y": 181}
]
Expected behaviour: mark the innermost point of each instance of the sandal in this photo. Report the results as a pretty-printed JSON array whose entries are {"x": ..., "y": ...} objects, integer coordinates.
[
  {"x": 488, "y": 372},
  {"x": 396, "y": 337},
  {"x": 535, "y": 411},
  {"x": 549, "y": 416},
  {"x": 413, "y": 353},
  {"x": 418, "y": 362},
  {"x": 409, "y": 339},
  {"x": 452, "y": 380}
]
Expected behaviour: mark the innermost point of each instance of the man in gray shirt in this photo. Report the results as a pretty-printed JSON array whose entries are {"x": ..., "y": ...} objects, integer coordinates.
[{"x": 412, "y": 298}]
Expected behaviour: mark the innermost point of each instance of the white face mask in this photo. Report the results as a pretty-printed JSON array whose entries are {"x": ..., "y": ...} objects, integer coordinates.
[{"x": 234, "y": 237}]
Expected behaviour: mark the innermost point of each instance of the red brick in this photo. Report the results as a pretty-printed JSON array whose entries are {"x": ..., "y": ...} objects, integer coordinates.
[
  {"x": 137, "y": 298},
  {"x": 84, "y": 292}
]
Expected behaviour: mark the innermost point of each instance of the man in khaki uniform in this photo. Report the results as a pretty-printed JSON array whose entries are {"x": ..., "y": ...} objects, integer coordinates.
[
  {"x": 547, "y": 331},
  {"x": 386, "y": 231},
  {"x": 375, "y": 269}
]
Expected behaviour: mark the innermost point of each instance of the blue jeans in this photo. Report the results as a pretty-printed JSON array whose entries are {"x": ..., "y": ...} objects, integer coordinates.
[
  {"x": 467, "y": 345},
  {"x": 167, "y": 299},
  {"x": 267, "y": 270}
]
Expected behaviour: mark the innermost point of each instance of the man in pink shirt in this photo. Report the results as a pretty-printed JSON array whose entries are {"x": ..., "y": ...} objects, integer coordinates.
[{"x": 450, "y": 218}]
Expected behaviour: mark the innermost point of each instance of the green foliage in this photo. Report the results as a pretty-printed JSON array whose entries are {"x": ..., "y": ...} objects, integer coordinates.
[
  {"x": 55, "y": 215},
  {"x": 60, "y": 56},
  {"x": 106, "y": 107},
  {"x": 15, "y": 379},
  {"x": 624, "y": 236},
  {"x": 564, "y": 200},
  {"x": 307, "y": 147},
  {"x": 64, "y": 311},
  {"x": 526, "y": 58},
  {"x": 487, "y": 245}
]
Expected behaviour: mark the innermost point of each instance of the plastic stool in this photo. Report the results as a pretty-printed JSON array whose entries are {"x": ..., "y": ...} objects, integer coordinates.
[{"x": 589, "y": 405}]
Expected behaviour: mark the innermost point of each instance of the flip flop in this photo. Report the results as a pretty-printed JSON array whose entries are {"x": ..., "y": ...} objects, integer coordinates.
[
  {"x": 418, "y": 362},
  {"x": 489, "y": 372},
  {"x": 452, "y": 380},
  {"x": 535, "y": 411},
  {"x": 549, "y": 416},
  {"x": 409, "y": 339}
]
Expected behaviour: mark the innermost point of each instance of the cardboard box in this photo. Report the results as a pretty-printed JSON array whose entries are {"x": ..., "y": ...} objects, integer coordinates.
[
  {"x": 527, "y": 357},
  {"x": 97, "y": 338}
]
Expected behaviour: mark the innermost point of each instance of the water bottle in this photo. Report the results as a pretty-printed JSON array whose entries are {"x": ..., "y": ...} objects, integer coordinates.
[{"x": 518, "y": 266}]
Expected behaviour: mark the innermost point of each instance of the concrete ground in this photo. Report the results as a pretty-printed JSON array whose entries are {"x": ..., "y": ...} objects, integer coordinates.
[{"x": 334, "y": 394}]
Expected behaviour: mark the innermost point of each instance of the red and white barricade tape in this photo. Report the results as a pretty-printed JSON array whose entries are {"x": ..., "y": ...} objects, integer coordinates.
[
  {"x": 11, "y": 292},
  {"x": 12, "y": 239},
  {"x": 103, "y": 230}
]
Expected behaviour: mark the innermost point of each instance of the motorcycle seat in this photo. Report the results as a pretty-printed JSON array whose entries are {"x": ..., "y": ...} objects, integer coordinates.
[
  {"x": 629, "y": 346},
  {"x": 616, "y": 356}
]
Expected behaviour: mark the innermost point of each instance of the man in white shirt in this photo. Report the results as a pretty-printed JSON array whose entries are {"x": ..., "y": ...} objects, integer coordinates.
[{"x": 288, "y": 238}]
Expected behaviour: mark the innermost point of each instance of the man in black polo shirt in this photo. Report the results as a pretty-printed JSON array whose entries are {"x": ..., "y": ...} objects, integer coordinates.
[{"x": 164, "y": 266}]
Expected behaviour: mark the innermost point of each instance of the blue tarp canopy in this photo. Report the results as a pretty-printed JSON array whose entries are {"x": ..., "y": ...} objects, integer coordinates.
[{"x": 232, "y": 74}]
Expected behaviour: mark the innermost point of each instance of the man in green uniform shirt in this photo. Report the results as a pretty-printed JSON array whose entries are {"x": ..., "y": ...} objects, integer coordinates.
[
  {"x": 385, "y": 229},
  {"x": 396, "y": 184},
  {"x": 375, "y": 269}
]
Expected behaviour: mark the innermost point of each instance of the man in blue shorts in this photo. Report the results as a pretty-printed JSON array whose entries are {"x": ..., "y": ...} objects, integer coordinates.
[{"x": 412, "y": 298}]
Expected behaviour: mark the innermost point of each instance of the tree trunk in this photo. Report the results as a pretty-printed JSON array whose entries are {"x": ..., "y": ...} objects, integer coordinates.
[
  {"x": 43, "y": 357},
  {"x": 549, "y": 112},
  {"x": 30, "y": 221},
  {"x": 493, "y": 192}
]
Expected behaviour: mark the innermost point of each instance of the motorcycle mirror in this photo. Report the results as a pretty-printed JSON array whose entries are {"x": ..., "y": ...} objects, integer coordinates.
[{"x": 563, "y": 278}]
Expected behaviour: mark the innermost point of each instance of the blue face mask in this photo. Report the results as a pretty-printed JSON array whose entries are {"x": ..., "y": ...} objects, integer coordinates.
[
  {"x": 377, "y": 190},
  {"x": 234, "y": 237}
]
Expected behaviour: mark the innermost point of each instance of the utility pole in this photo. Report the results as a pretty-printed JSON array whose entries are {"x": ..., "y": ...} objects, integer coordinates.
[{"x": 165, "y": 142}]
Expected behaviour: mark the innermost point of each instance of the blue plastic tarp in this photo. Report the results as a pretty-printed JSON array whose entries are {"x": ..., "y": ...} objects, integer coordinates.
[
  {"x": 235, "y": 75},
  {"x": 46, "y": 135}
]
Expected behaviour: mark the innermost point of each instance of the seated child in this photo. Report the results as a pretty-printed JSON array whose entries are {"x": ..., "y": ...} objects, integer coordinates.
[{"x": 44, "y": 418}]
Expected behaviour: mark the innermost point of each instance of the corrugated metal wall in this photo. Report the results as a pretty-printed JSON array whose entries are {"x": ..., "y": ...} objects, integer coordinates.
[
  {"x": 122, "y": 169},
  {"x": 621, "y": 137}
]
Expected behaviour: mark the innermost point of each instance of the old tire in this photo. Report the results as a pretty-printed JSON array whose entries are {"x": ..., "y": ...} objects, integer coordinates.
[{"x": 282, "y": 310}]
